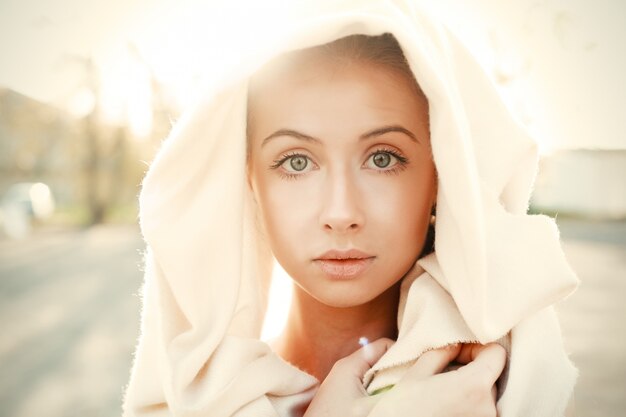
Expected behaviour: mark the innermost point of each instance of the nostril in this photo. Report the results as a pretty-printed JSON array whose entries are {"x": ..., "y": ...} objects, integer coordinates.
[{"x": 329, "y": 226}]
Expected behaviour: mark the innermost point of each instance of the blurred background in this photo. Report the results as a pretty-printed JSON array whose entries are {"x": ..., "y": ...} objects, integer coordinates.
[{"x": 88, "y": 90}]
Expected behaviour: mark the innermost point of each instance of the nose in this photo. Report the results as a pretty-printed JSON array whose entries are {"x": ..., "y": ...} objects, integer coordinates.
[{"x": 341, "y": 209}]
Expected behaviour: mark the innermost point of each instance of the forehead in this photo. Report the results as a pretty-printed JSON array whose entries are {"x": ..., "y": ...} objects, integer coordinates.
[
  {"x": 313, "y": 90},
  {"x": 309, "y": 64}
]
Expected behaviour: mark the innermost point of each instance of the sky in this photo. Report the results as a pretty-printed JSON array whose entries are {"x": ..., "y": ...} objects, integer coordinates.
[{"x": 559, "y": 63}]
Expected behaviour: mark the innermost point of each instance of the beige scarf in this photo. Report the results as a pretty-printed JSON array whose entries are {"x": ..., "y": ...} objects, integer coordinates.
[{"x": 495, "y": 275}]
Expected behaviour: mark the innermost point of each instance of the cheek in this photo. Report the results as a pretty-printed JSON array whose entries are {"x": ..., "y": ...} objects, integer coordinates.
[
  {"x": 401, "y": 210},
  {"x": 285, "y": 214}
]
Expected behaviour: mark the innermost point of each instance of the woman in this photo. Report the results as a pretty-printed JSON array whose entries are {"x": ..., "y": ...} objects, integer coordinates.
[
  {"x": 340, "y": 164},
  {"x": 346, "y": 158}
]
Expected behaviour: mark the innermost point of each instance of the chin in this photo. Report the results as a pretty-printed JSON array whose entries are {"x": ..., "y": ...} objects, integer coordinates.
[
  {"x": 345, "y": 293},
  {"x": 345, "y": 297}
]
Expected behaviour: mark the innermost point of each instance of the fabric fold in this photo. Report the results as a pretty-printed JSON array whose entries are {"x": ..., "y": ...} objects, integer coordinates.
[{"x": 429, "y": 319}]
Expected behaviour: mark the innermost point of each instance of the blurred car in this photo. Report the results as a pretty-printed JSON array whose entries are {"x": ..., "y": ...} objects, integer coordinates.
[
  {"x": 34, "y": 198},
  {"x": 21, "y": 204}
]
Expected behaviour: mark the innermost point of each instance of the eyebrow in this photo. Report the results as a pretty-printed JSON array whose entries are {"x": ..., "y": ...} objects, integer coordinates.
[
  {"x": 372, "y": 133},
  {"x": 386, "y": 129},
  {"x": 292, "y": 133}
]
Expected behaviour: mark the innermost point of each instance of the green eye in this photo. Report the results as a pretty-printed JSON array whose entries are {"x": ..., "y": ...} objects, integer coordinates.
[
  {"x": 298, "y": 163},
  {"x": 386, "y": 160},
  {"x": 381, "y": 159}
]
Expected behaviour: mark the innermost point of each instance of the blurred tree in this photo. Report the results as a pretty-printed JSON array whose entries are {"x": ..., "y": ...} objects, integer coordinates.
[{"x": 92, "y": 135}]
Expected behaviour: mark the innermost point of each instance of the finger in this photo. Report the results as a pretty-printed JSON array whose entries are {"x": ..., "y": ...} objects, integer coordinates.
[
  {"x": 372, "y": 352},
  {"x": 468, "y": 352},
  {"x": 488, "y": 363},
  {"x": 433, "y": 362},
  {"x": 362, "y": 360}
]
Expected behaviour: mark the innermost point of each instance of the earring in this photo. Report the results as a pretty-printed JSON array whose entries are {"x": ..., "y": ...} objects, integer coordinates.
[{"x": 433, "y": 217}]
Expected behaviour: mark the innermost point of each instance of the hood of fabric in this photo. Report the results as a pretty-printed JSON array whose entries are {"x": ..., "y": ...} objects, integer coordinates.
[{"x": 499, "y": 264}]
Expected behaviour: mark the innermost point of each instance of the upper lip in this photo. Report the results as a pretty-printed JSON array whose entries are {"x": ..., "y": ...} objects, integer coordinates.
[{"x": 344, "y": 254}]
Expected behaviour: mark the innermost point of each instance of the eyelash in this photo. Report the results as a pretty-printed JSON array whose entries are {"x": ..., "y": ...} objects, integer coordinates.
[
  {"x": 397, "y": 168},
  {"x": 284, "y": 158}
]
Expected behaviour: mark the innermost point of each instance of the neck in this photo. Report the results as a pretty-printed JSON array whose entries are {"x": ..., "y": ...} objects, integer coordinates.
[{"x": 318, "y": 335}]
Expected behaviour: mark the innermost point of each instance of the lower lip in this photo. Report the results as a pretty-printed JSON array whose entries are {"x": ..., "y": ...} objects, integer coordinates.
[{"x": 343, "y": 268}]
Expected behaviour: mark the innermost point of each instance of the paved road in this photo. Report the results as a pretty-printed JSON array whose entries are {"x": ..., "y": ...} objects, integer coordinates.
[
  {"x": 69, "y": 309},
  {"x": 69, "y": 314},
  {"x": 593, "y": 319}
]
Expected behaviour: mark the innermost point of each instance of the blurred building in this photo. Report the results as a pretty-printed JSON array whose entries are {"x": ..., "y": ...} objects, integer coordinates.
[
  {"x": 584, "y": 182},
  {"x": 38, "y": 142},
  {"x": 89, "y": 166}
]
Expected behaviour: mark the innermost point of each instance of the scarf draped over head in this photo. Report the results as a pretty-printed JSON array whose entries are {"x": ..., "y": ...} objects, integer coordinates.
[{"x": 494, "y": 275}]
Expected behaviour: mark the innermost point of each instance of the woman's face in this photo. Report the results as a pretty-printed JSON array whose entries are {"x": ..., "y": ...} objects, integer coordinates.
[{"x": 341, "y": 168}]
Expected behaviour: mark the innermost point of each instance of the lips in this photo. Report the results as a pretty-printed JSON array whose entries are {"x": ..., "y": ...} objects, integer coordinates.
[{"x": 347, "y": 264}]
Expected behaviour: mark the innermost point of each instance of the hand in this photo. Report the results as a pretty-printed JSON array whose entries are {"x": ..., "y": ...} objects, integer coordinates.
[
  {"x": 468, "y": 391},
  {"x": 342, "y": 393},
  {"x": 424, "y": 391}
]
